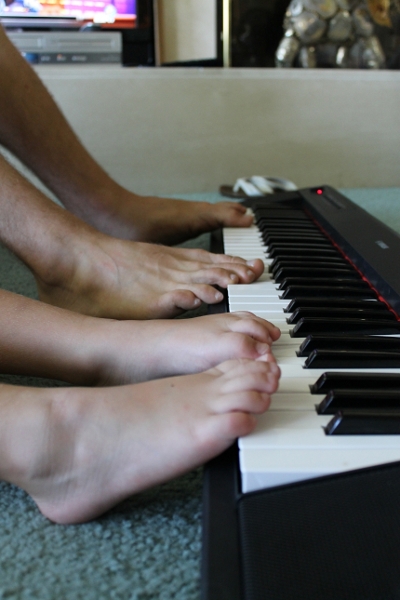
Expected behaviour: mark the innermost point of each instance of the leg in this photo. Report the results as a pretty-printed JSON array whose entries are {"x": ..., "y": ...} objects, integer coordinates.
[
  {"x": 80, "y": 451},
  {"x": 33, "y": 128},
  {"x": 78, "y": 268}
]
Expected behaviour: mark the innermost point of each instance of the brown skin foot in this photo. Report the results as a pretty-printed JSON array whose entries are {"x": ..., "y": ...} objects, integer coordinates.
[
  {"x": 163, "y": 220},
  {"x": 80, "y": 451}
]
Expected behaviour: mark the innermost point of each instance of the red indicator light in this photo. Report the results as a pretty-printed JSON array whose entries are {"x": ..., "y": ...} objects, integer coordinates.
[{"x": 320, "y": 192}]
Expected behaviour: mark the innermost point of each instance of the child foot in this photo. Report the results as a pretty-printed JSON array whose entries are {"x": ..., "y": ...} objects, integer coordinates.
[
  {"x": 134, "y": 351},
  {"x": 79, "y": 451}
]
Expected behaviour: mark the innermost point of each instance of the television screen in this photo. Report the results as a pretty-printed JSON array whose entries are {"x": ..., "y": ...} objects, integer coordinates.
[
  {"x": 121, "y": 13},
  {"x": 133, "y": 18}
]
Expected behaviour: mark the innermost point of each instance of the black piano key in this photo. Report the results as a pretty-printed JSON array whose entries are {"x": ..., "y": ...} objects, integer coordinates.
[
  {"x": 285, "y": 224},
  {"x": 306, "y": 262},
  {"x": 278, "y": 228},
  {"x": 310, "y": 245},
  {"x": 304, "y": 302},
  {"x": 298, "y": 236},
  {"x": 309, "y": 274},
  {"x": 297, "y": 252},
  {"x": 366, "y": 422},
  {"x": 283, "y": 218},
  {"x": 340, "y": 291},
  {"x": 340, "y": 342},
  {"x": 322, "y": 281},
  {"x": 352, "y": 359},
  {"x": 309, "y": 325},
  {"x": 355, "y": 381},
  {"x": 346, "y": 313},
  {"x": 281, "y": 213},
  {"x": 336, "y": 400}
]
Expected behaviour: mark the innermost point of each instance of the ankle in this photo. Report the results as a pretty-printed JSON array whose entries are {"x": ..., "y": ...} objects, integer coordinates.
[
  {"x": 69, "y": 274},
  {"x": 24, "y": 416}
]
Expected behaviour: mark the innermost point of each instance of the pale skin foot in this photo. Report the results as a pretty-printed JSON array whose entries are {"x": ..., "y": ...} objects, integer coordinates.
[
  {"x": 46, "y": 341},
  {"x": 105, "y": 277},
  {"x": 77, "y": 452},
  {"x": 139, "y": 351}
]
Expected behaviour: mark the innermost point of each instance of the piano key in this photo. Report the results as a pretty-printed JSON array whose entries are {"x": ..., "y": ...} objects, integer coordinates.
[
  {"x": 306, "y": 273},
  {"x": 298, "y": 401},
  {"x": 356, "y": 342},
  {"x": 304, "y": 302},
  {"x": 308, "y": 325},
  {"x": 280, "y": 229},
  {"x": 298, "y": 236},
  {"x": 348, "y": 359},
  {"x": 339, "y": 291},
  {"x": 276, "y": 307},
  {"x": 355, "y": 381},
  {"x": 305, "y": 263},
  {"x": 308, "y": 248},
  {"x": 305, "y": 429},
  {"x": 348, "y": 313},
  {"x": 366, "y": 422},
  {"x": 258, "y": 289},
  {"x": 336, "y": 400},
  {"x": 299, "y": 251},
  {"x": 296, "y": 370},
  {"x": 280, "y": 213},
  {"x": 322, "y": 282}
]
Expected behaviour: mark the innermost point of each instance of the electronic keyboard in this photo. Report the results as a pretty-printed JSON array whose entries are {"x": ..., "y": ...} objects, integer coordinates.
[{"x": 332, "y": 285}]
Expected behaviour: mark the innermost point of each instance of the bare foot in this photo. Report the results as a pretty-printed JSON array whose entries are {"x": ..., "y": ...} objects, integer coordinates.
[
  {"x": 104, "y": 277},
  {"x": 133, "y": 351},
  {"x": 47, "y": 341},
  {"x": 79, "y": 451},
  {"x": 162, "y": 220}
]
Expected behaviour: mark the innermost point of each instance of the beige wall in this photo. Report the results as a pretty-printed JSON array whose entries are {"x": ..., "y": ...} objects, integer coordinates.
[
  {"x": 190, "y": 130},
  {"x": 186, "y": 29}
]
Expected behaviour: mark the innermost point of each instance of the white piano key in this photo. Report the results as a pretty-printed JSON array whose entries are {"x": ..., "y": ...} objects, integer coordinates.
[
  {"x": 296, "y": 371},
  {"x": 260, "y": 289},
  {"x": 274, "y": 306},
  {"x": 304, "y": 429},
  {"x": 282, "y": 401}
]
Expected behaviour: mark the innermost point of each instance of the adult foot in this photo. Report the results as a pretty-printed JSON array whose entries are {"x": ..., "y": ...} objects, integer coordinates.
[
  {"x": 104, "y": 277},
  {"x": 80, "y": 451},
  {"x": 162, "y": 220}
]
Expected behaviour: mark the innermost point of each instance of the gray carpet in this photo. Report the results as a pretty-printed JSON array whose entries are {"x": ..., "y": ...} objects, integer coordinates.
[{"x": 147, "y": 547}]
